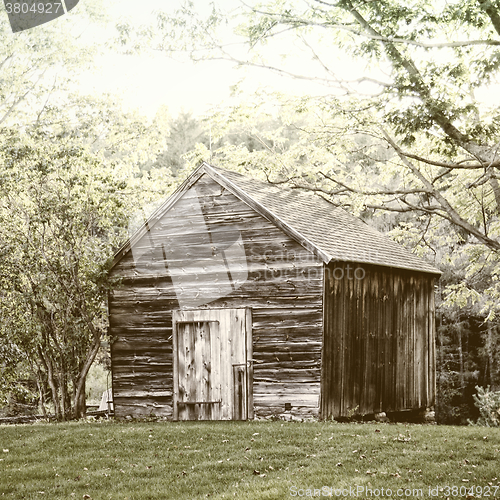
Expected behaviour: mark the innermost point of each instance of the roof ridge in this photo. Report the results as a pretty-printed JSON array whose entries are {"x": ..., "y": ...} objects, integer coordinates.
[{"x": 328, "y": 231}]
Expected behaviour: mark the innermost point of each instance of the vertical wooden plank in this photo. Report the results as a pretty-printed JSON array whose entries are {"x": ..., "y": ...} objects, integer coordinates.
[
  {"x": 345, "y": 301},
  {"x": 406, "y": 341},
  {"x": 235, "y": 348},
  {"x": 358, "y": 352},
  {"x": 226, "y": 371},
  {"x": 398, "y": 376},
  {"x": 325, "y": 352},
  {"x": 249, "y": 359},
  {"x": 203, "y": 362},
  {"x": 390, "y": 333},
  {"x": 191, "y": 379},
  {"x": 372, "y": 321},
  {"x": 382, "y": 322},
  {"x": 182, "y": 372},
  {"x": 333, "y": 310},
  {"x": 215, "y": 345},
  {"x": 347, "y": 336},
  {"x": 197, "y": 380},
  {"x": 432, "y": 344},
  {"x": 175, "y": 366},
  {"x": 240, "y": 365},
  {"x": 421, "y": 344},
  {"x": 425, "y": 335},
  {"x": 360, "y": 365}
]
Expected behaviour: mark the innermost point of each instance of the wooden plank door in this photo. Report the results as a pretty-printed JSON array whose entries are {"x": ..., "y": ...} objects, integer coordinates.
[{"x": 212, "y": 364}]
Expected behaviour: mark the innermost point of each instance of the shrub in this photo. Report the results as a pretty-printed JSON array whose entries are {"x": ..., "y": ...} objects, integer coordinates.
[{"x": 488, "y": 403}]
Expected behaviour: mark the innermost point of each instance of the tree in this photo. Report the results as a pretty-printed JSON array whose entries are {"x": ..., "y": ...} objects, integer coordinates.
[
  {"x": 59, "y": 218},
  {"x": 68, "y": 185},
  {"x": 421, "y": 98},
  {"x": 37, "y": 65}
]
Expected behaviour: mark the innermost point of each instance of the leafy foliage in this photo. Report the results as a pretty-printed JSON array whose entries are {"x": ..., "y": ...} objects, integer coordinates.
[
  {"x": 488, "y": 403},
  {"x": 39, "y": 64},
  {"x": 59, "y": 219}
]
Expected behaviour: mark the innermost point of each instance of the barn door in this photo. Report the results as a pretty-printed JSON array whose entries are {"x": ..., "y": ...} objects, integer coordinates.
[{"x": 212, "y": 364}]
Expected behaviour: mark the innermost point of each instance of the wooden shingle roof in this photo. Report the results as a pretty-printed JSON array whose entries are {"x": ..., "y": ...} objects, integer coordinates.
[{"x": 330, "y": 232}]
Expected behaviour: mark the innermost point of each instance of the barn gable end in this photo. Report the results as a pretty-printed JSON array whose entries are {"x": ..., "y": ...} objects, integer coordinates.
[{"x": 177, "y": 264}]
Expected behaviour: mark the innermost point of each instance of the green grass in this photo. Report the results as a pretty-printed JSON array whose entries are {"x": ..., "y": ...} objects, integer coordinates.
[{"x": 261, "y": 460}]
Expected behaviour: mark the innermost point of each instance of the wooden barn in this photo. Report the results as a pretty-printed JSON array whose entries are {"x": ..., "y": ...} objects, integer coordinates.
[{"x": 242, "y": 299}]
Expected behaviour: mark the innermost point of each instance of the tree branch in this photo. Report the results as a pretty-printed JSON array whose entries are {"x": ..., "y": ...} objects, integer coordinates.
[{"x": 450, "y": 211}]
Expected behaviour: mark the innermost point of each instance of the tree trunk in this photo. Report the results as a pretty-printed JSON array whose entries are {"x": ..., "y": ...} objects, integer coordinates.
[
  {"x": 41, "y": 391},
  {"x": 80, "y": 403},
  {"x": 52, "y": 384},
  {"x": 80, "y": 390}
]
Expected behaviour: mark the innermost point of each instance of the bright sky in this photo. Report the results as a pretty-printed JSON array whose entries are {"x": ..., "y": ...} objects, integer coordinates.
[{"x": 148, "y": 81}]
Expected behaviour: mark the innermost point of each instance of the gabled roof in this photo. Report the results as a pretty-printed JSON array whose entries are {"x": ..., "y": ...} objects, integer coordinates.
[{"x": 328, "y": 231}]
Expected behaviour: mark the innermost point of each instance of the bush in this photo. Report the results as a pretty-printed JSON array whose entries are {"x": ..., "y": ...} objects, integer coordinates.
[{"x": 488, "y": 403}]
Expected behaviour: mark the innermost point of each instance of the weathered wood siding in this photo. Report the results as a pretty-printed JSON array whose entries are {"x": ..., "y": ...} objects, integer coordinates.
[
  {"x": 283, "y": 288},
  {"x": 379, "y": 347}
]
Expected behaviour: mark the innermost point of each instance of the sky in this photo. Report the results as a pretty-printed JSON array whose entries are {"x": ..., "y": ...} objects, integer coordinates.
[{"x": 150, "y": 80}]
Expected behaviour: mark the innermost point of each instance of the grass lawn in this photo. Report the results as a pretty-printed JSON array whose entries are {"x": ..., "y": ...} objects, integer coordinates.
[{"x": 250, "y": 460}]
